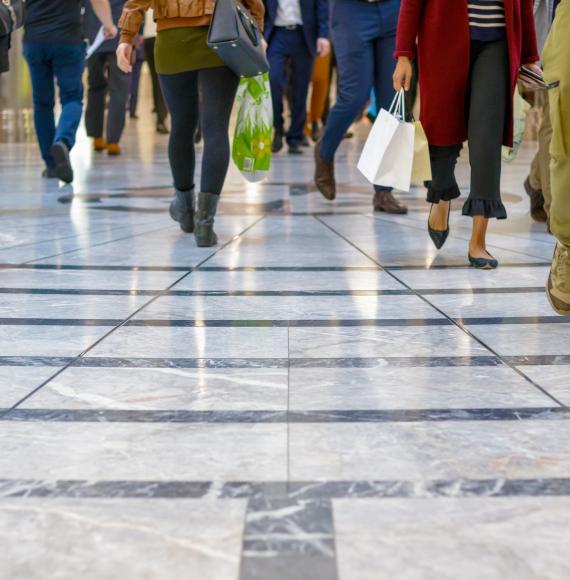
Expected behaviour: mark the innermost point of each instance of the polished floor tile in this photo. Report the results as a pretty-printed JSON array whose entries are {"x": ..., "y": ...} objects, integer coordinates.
[{"x": 18, "y": 382}]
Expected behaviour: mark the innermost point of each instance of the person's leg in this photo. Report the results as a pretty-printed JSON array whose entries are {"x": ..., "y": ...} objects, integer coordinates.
[
  {"x": 488, "y": 98},
  {"x": 181, "y": 94},
  {"x": 96, "y": 96},
  {"x": 43, "y": 95},
  {"x": 544, "y": 139},
  {"x": 217, "y": 88},
  {"x": 134, "y": 85},
  {"x": 277, "y": 55},
  {"x": 159, "y": 105},
  {"x": 119, "y": 84},
  {"x": 69, "y": 64},
  {"x": 302, "y": 68}
]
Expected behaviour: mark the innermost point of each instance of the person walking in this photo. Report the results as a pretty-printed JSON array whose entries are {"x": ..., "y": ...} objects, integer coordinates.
[
  {"x": 537, "y": 184},
  {"x": 133, "y": 99},
  {"x": 193, "y": 78},
  {"x": 363, "y": 34},
  {"x": 467, "y": 81},
  {"x": 149, "y": 33},
  {"x": 295, "y": 31},
  {"x": 557, "y": 69},
  {"x": 55, "y": 51},
  {"x": 105, "y": 78}
]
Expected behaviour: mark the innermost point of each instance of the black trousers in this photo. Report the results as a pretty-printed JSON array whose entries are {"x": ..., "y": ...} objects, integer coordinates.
[
  {"x": 159, "y": 105},
  {"x": 487, "y": 103},
  {"x": 206, "y": 95}
]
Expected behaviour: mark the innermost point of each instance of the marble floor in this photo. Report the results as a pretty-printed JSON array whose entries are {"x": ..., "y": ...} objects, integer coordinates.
[{"x": 322, "y": 396}]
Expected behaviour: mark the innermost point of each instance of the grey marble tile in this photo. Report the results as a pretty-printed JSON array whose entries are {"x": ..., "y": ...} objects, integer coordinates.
[
  {"x": 196, "y": 342},
  {"x": 555, "y": 379},
  {"x": 382, "y": 342},
  {"x": 17, "y": 382},
  {"x": 498, "y": 539},
  {"x": 411, "y": 388},
  {"x": 200, "y": 452},
  {"x": 130, "y": 539},
  {"x": 59, "y": 341},
  {"x": 525, "y": 339},
  {"x": 164, "y": 388},
  {"x": 436, "y": 450},
  {"x": 287, "y": 308}
]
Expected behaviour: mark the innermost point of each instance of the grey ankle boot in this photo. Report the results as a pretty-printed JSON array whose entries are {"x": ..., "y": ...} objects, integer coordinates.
[
  {"x": 182, "y": 210},
  {"x": 204, "y": 222}
]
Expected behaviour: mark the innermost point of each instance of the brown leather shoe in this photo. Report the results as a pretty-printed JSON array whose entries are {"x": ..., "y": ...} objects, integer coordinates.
[
  {"x": 537, "y": 212},
  {"x": 324, "y": 175},
  {"x": 386, "y": 202}
]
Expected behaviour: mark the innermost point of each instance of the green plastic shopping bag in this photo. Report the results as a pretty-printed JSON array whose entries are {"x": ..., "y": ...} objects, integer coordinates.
[{"x": 251, "y": 150}]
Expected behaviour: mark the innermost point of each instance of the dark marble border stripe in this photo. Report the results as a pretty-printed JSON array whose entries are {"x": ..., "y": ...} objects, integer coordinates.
[
  {"x": 467, "y": 266},
  {"x": 300, "y": 490},
  {"x": 213, "y": 363},
  {"x": 276, "y": 293},
  {"x": 317, "y": 416},
  {"x": 104, "y": 268}
]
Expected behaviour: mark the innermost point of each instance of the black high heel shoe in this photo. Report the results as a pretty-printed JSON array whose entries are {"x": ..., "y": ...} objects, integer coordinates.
[
  {"x": 438, "y": 237},
  {"x": 483, "y": 263}
]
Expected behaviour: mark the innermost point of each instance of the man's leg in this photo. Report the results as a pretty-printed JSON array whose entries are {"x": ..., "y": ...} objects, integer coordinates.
[
  {"x": 96, "y": 96},
  {"x": 119, "y": 84},
  {"x": 277, "y": 54},
  {"x": 302, "y": 68},
  {"x": 69, "y": 63},
  {"x": 544, "y": 138},
  {"x": 159, "y": 104},
  {"x": 43, "y": 91}
]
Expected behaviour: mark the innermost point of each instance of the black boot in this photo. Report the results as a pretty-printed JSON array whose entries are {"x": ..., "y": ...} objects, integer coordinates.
[
  {"x": 204, "y": 223},
  {"x": 182, "y": 210}
]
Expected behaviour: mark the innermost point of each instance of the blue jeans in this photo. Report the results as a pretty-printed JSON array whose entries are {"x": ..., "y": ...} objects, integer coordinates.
[
  {"x": 64, "y": 62},
  {"x": 287, "y": 45},
  {"x": 364, "y": 39}
]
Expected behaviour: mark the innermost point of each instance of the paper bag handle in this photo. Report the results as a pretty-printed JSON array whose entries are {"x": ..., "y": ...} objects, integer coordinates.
[{"x": 398, "y": 106}]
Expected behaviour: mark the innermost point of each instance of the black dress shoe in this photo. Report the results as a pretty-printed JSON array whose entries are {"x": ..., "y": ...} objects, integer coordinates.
[
  {"x": 483, "y": 263},
  {"x": 439, "y": 237},
  {"x": 295, "y": 150},
  {"x": 60, "y": 154},
  {"x": 277, "y": 143}
]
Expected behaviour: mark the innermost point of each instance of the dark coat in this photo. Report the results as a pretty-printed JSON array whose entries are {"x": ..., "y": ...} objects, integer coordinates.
[
  {"x": 443, "y": 44},
  {"x": 315, "y": 15}
]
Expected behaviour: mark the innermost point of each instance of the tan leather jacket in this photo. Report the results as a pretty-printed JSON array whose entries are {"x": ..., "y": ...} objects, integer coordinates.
[{"x": 176, "y": 14}]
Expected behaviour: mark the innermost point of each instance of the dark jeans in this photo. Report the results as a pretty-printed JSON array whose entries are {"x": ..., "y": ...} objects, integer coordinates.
[
  {"x": 135, "y": 81},
  {"x": 159, "y": 105},
  {"x": 206, "y": 95},
  {"x": 48, "y": 62},
  {"x": 364, "y": 38},
  {"x": 106, "y": 77},
  {"x": 487, "y": 100},
  {"x": 290, "y": 45}
]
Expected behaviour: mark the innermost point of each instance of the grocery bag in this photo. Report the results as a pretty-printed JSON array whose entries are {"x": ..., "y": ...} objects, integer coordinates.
[
  {"x": 388, "y": 153},
  {"x": 421, "y": 167},
  {"x": 251, "y": 149}
]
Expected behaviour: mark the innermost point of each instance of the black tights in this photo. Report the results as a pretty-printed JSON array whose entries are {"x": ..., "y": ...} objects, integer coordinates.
[{"x": 207, "y": 94}]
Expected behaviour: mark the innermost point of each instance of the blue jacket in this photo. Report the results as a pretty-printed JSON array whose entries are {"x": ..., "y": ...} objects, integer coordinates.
[
  {"x": 91, "y": 25},
  {"x": 315, "y": 20}
]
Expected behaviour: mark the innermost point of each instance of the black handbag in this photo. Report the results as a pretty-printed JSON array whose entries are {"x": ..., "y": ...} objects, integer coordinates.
[
  {"x": 11, "y": 16},
  {"x": 236, "y": 38}
]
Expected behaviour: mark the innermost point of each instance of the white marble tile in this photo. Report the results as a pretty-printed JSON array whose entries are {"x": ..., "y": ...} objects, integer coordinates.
[
  {"x": 471, "y": 538},
  {"x": 411, "y": 388},
  {"x": 194, "y": 342},
  {"x": 144, "y": 451},
  {"x": 129, "y": 539},
  {"x": 17, "y": 382},
  {"x": 382, "y": 341},
  {"x": 525, "y": 339},
  {"x": 164, "y": 388},
  {"x": 554, "y": 378},
  {"x": 432, "y": 450}
]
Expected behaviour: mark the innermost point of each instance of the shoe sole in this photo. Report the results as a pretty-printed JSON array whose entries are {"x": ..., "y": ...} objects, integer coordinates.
[{"x": 63, "y": 169}]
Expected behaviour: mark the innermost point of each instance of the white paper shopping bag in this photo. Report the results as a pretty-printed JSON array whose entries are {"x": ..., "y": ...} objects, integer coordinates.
[{"x": 388, "y": 154}]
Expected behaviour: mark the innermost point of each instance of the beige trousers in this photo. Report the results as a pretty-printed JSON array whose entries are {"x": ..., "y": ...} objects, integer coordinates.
[
  {"x": 539, "y": 177},
  {"x": 556, "y": 63}
]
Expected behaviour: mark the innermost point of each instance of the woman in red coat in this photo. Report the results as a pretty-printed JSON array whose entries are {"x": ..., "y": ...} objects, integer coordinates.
[{"x": 469, "y": 55}]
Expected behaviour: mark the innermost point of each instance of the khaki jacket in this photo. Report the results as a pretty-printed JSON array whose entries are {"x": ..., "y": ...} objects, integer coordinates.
[{"x": 176, "y": 14}]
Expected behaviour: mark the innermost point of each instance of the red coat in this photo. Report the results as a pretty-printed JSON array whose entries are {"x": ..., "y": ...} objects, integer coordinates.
[{"x": 442, "y": 31}]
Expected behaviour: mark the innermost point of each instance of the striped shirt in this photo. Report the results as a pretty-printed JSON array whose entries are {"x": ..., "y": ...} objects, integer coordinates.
[{"x": 487, "y": 19}]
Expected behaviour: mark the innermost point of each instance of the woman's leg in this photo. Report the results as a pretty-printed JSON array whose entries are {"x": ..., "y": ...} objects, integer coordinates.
[
  {"x": 488, "y": 95},
  {"x": 181, "y": 94},
  {"x": 443, "y": 187},
  {"x": 217, "y": 87}
]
